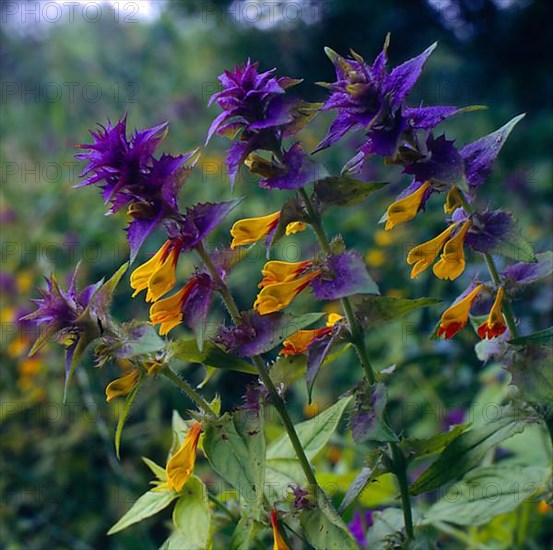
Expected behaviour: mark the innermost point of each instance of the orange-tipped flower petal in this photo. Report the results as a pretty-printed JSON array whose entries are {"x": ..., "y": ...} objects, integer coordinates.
[
  {"x": 181, "y": 464},
  {"x": 141, "y": 275},
  {"x": 452, "y": 262},
  {"x": 281, "y": 272},
  {"x": 456, "y": 317},
  {"x": 424, "y": 254},
  {"x": 251, "y": 230},
  {"x": 495, "y": 325},
  {"x": 405, "y": 209},
  {"x": 299, "y": 341},
  {"x": 277, "y": 296},
  {"x": 168, "y": 312},
  {"x": 121, "y": 386},
  {"x": 295, "y": 227},
  {"x": 279, "y": 542}
]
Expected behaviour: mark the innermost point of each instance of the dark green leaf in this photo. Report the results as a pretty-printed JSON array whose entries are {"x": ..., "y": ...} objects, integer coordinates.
[
  {"x": 540, "y": 338},
  {"x": 418, "y": 448},
  {"x": 532, "y": 373},
  {"x": 343, "y": 191},
  {"x": 129, "y": 400}
]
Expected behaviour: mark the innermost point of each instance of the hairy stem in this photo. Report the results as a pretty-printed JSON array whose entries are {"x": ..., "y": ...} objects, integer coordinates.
[
  {"x": 259, "y": 364},
  {"x": 492, "y": 268},
  {"x": 357, "y": 336},
  {"x": 189, "y": 391},
  {"x": 400, "y": 470}
]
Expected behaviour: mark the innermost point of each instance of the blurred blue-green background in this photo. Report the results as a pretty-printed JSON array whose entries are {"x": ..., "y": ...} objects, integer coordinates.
[{"x": 67, "y": 66}]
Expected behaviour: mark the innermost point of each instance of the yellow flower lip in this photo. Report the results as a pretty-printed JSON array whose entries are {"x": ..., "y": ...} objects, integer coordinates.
[
  {"x": 453, "y": 200},
  {"x": 405, "y": 209},
  {"x": 168, "y": 312},
  {"x": 495, "y": 325},
  {"x": 277, "y": 271},
  {"x": 181, "y": 465},
  {"x": 423, "y": 255},
  {"x": 299, "y": 341},
  {"x": 278, "y": 541},
  {"x": 251, "y": 230},
  {"x": 456, "y": 316},
  {"x": 275, "y": 297},
  {"x": 157, "y": 275},
  {"x": 121, "y": 386},
  {"x": 452, "y": 261}
]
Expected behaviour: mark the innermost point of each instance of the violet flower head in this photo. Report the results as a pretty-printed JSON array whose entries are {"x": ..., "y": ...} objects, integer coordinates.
[
  {"x": 253, "y": 105},
  {"x": 130, "y": 176},
  {"x": 371, "y": 98}
]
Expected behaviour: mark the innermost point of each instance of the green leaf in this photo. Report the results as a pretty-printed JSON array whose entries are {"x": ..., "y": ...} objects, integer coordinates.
[
  {"x": 356, "y": 487},
  {"x": 292, "y": 211},
  {"x": 235, "y": 448},
  {"x": 147, "y": 505},
  {"x": 487, "y": 492},
  {"x": 385, "y": 524},
  {"x": 245, "y": 532},
  {"x": 343, "y": 191},
  {"x": 532, "y": 373},
  {"x": 129, "y": 400},
  {"x": 140, "y": 339},
  {"x": 102, "y": 299},
  {"x": 313, "y": 433},
  {"x": 192, "y": 515},
  {"x": 414, "y": 448},
  {"x": 467, "y": 451},
  {"x": 540, "y": 338},
  {"x": 375, "y": 310},
  {"x": 85, "y": 340},
  {"x": 157, "y": 470},
  {"x": 211, "y": 355},
  {"x": 324, "y": 528},
  {"x": 511, "y": 244}
]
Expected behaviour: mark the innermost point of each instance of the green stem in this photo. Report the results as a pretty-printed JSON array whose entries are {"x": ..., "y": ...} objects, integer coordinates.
[
  {"x": 357, "y": 336},
  {"x": 492, "y": 268},
  {"x": 276, "y": 400},
  {"x": 400, "y": 470},
  {"x": 189, "y": 391}
]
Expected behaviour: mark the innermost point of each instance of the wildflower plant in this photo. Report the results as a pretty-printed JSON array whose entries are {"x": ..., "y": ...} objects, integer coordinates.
[{"x": 263, "y": 123}]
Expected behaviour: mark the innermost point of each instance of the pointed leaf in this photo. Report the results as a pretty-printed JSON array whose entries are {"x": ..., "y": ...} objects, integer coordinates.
[
  {"x": 129, "y": 400},
  {"x": 540, "y": 338},
  {"x": 343, "y": 191},
  {"x": 414, "y": 448}
]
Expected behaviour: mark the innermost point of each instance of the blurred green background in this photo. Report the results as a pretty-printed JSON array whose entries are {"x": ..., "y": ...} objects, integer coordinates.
[{"x": 62, "y": 72}]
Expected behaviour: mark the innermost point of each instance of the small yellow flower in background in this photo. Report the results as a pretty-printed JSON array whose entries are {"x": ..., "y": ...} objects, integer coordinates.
[
  {"x": 405, "y": 209},
  {"x": 279, "y": 543},
  {"x": 311, "y": 409},
  {"x": 24, "y": 281},
  {"x": 452, "y": 200},
  {"x": 375, "y": 257},
  {"x": 168, "y": 312},
  {"x": 396, "y": 293},
  {"x": 295, "y": 227},
  {"x": 495, "y": 324},
  {"x": 543, "y": 507},
  {"x": 121, "y": 386},
  {"x": 7, "y": 314},
  {"x": 181, "y": 465},
  {"x": 281, "y": 272},
  {"x": 251, "y": 230},
  {"x": 18, "y": 346},
  {"x": 299, "y": 341},
  {"x": 383, "y": 238},
  {"x": 157, "y": 275},
  {"x": 456, "y": 317},
  {"x": 452, "y": 262},
  {"x": 28, "y": 368},
  {"x": 424, "y": 254},
  {"x": 275, "y": 297}
]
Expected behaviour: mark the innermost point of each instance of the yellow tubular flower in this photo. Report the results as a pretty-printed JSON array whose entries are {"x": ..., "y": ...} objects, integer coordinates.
[
  {"x": 181, "y": 464},
  {"x": 281, "y": 272},
  {"x": 277, "y": 296},
  {"x": 279, "y": 542},
  {"x": 157, "y": 275},
  {"x": 495, "y": 325},
  {"x": 424, "y": 254},
  {"x": 452, "y": 262},
  {"x": 121, "y": 386},
  {"x": 456, "y": 317},
  {"x": 452, "y": 200},
  {"x": 405, "y": 209},
  {"x": 251, "y": 230},
  {"x": 299, "y": 341},
  {"x": 295, "y": 227},
  {"x": 168, "y": 312}
]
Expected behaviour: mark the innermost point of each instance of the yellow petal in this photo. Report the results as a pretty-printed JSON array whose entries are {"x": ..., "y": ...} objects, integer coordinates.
[
  {"x": 251, "y": 230},
  {"x": 455, "y": 317},
  {"x": 495, "y": 324},
  {"x": 452, "y": 200},
  {"x": 280, "y": 272},
  {"x": 452, "y": 261},
  {"x": 168, "y": 312},
  {"x": 141, "y": 275},
  {"x": 163, "y": 279},
  {"x": 121, "y": 386},
  {"x": 333, "y": 318},
  {"x": 277, "y": 296},
  {"x": 298, "y": 342},
  {"x": 278, "y": 540},
  {"x": 181, "y": 464},
  {"x": 405, "y": 209},
  {"x": 295, "y": 227},
  {"x": 424, "y": 254}
]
